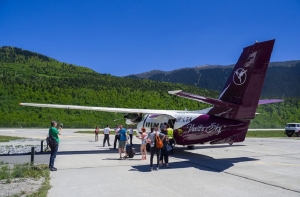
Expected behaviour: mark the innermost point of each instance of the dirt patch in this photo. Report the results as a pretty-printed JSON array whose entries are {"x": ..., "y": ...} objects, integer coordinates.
[{"x": 20, "y": 187}]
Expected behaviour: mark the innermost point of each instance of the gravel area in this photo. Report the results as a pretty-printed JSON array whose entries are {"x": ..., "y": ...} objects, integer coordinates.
[
  {"x": 20, "y": 146},
  {"x": 20, "y": 187}
]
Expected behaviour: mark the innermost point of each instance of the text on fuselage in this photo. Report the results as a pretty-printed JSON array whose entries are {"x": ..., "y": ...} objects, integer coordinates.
[
  {"x": 184, "y": 119},
  {"x": 214, "y": 127}
]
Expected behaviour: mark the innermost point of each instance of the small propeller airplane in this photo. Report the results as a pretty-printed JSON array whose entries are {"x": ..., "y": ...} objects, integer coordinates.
[{"x": 228, "y": 119}]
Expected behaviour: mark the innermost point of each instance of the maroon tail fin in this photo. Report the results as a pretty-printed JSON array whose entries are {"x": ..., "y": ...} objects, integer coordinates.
[{"x": 245, "y": 83}]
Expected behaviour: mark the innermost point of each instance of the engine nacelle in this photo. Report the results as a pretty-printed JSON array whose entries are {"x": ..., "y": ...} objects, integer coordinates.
[{"x": 133, "y": 118}]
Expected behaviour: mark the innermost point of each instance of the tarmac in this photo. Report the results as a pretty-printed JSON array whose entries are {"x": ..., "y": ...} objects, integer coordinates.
[{"x": 255, "y": 167}]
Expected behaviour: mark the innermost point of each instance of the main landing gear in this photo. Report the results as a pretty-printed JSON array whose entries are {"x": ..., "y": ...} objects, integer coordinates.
[{"x": 191, "y": 147}]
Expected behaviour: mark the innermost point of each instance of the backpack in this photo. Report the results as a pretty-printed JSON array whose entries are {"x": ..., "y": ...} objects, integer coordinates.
[
  {"x": 158, "y": 142},
  {"x": 51, "y": 141}
]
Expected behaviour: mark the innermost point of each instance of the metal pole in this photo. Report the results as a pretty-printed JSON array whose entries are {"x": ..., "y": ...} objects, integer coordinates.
[
  {"x": 42, "y": 142},
  {"x": 32, "y": 155}
]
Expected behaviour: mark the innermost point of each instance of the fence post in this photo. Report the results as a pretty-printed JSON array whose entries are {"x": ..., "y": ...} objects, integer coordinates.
[
  {"x": 32, "y": 155},
  {"x": 42, "y": 146}
]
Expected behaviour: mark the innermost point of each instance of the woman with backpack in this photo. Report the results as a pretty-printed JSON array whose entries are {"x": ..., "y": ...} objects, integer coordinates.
[
  {"x": 164, "y": 156},
  {"x": 155, "y": 140}
]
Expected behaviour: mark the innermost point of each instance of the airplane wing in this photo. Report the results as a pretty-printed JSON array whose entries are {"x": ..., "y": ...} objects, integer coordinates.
[{"x": 107, "y": 109}]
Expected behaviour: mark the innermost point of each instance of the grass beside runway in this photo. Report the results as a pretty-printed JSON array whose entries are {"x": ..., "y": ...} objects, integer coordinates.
[
  {"x": 4, "y": 138},
  {"x": 265, "y": 134},
  {"x": 17, "y": 173}
]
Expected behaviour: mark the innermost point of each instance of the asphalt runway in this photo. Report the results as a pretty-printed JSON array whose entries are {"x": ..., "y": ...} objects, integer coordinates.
[{"x": 256, "y": 167}]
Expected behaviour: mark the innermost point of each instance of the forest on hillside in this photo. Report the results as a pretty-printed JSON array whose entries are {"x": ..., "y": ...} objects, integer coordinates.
[
  {"x": 282, "y": 79},
  {"x": 31, "y": 77}
]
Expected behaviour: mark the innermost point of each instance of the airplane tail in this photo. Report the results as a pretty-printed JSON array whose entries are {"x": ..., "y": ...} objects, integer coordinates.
[
  {"x": 243, "y": 88},
  {"x": 240, "y": 96}
]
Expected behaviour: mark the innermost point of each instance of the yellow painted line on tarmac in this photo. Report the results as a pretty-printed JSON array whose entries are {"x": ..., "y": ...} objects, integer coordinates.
[{"x": 279, "y": 164}]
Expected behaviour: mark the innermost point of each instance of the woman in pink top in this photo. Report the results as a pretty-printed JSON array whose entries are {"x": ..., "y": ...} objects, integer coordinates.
[
  {"x": 96, "y": 134},
  {"x": 143, "y": 137}
]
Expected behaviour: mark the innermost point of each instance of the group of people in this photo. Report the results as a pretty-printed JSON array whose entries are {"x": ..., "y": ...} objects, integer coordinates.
[
  {"x": 106, "y": 132},
  {"x": 165, "y": 134},
  {"x": 162, "y": 153},
  {"x": 120, "y": 136},
  {"x": 117, "y": 129}
]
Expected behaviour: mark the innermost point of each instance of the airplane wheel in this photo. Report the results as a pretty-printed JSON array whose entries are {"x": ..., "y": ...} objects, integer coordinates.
[
  {"x": 190, "y": 147},
  {"x": 231, "y": 143},
  {"x": 289, "y": 134}
]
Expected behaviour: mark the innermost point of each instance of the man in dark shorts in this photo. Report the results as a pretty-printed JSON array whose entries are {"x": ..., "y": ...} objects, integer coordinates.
[{"x": 122, "y": 142}]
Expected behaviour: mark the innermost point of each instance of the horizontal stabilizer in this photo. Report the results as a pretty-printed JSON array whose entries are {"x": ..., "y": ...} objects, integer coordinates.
[
  {"x": 268, "y": 101},
  {"x": 202, "y": 99}
]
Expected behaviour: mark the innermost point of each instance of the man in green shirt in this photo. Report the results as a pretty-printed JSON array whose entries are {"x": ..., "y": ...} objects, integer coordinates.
[{"x": 54, "y": 132}]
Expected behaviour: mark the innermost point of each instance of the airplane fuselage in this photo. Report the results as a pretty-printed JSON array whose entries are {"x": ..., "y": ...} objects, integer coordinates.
[{"x": 197, "y": 128}]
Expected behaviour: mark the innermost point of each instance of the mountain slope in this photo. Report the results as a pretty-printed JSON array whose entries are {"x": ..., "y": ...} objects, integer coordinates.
[
  {"x": 282, "y": 79},
  {"x": 31, "y": 77}
]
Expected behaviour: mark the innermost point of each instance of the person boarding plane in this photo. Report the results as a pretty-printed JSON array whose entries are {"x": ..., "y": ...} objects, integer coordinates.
[{"x": 228, "y": 119}]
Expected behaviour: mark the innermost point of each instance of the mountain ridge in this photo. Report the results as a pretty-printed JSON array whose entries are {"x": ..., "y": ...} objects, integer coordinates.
[
  {"x": 34, "y": 78},
  {"x": 213, "y": 77}
]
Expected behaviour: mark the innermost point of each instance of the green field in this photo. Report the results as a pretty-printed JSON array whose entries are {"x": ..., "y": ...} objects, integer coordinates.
[
  {"x": 4, "y": 138},
  {"x": 265, "y": 134}
]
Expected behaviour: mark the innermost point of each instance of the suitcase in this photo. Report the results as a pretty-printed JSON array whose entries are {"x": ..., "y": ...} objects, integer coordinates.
[{"x": 131, "y": 153}]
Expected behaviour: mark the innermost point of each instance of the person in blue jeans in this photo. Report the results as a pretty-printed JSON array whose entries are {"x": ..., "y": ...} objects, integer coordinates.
[
  {"x": 164, "y": 152},
  {"x": 54, "y": 132}
]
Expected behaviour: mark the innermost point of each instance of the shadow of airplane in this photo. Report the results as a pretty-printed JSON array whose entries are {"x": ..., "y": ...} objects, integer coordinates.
[{"x": 185, "y": 159}]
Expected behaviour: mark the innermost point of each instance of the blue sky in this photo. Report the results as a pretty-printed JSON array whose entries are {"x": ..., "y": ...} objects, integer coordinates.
[{"x": 129, "y": 37}]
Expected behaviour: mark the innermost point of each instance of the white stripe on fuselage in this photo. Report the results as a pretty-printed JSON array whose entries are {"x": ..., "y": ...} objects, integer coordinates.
[{"x": 180, "y": 119}]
